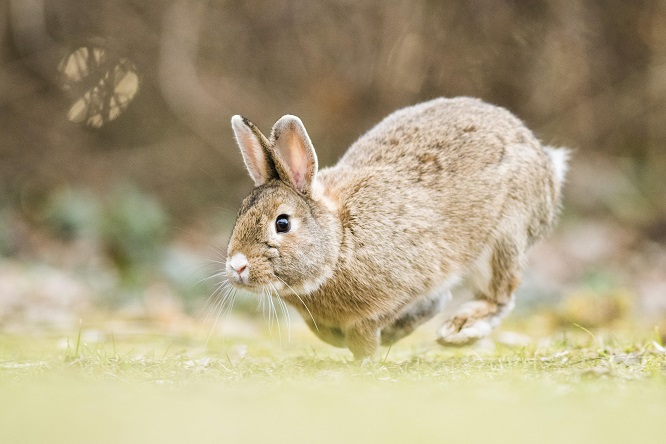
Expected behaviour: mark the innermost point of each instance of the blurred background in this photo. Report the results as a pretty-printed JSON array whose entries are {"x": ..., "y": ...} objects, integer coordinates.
[{"x": 120, "y": 179}]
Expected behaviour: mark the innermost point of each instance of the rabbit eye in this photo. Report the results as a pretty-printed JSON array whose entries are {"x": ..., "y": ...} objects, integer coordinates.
[{"x": 282, "y": 224}]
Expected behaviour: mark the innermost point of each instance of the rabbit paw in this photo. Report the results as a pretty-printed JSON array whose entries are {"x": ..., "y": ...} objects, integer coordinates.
[
  {"x": 475, "y": 320},
  {"x": 463, "y": 331}
]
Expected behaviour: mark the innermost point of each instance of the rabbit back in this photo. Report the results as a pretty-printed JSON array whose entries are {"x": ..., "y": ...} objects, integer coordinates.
[{"x": 426, "y": 192}]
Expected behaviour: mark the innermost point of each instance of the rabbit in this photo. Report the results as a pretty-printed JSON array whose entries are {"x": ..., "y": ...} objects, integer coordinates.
[{"x": 449, "y": 191}]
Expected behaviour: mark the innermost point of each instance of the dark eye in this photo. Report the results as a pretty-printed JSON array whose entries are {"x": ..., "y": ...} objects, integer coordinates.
[{"x": 282, "y": 224}]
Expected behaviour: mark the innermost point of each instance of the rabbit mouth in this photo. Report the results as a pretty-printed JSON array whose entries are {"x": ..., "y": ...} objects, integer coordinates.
[
  {"x": 240, "y": 281},
  {"x": 270, "y": 286}
]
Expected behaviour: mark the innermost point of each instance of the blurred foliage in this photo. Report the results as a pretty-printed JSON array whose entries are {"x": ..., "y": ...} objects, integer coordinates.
[
  {"x": 129, "y": 225},
  {"x": 5, "y": 240},
  {"x": 73, "y": 213},
  {"x": 592, "y": 309},
  {"x": 134, "y": 228},
  {"x": 580, "y": 73},
  {"x": 140, "y": 92}
]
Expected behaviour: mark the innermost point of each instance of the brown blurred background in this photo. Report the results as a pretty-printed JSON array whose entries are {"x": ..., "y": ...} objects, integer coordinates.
[{"x": 118, "y": 169}]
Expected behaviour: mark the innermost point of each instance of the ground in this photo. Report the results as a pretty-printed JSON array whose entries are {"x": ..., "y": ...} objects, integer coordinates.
[
  {"x": 154, "y": 385},
  {"x": 581, "y": 359}
]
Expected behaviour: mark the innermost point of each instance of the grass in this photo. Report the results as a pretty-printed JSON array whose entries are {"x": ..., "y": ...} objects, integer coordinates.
[{"x": 96, "y": 386}]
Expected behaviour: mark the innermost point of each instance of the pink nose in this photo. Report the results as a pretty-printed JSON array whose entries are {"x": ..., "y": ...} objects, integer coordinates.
[{"x": 238, "y": 263}]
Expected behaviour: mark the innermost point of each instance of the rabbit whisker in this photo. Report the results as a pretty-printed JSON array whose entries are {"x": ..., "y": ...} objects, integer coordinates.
[
  {"x": 266, "y": 310},
  {"x": 218, "y": 274},
  {"x": 285, "y": 310},
  {"x": 260, "y": 305},
  {"x": 218, "y": 310},
  {"x": 264, "y": 305},
  {"x": 223, "y": 306},
  {"x": 222, "y": 287},
  {"x": 230, "y": 304},
  {"x": 203, "y": 267},
  {"x": 217, "y": 250},
  {"x": 213, "y": 261},
  {"x": 300, "y": 299},
  {"x": 275, "y": 315}
]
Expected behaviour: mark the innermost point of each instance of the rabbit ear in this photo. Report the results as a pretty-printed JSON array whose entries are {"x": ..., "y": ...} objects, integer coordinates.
[
  {"x": 255, "y": 151},
  {"x": 296, "y": 160}
]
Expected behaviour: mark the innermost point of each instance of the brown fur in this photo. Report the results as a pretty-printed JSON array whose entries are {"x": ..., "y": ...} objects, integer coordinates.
[{"x": 440, "y": 192}]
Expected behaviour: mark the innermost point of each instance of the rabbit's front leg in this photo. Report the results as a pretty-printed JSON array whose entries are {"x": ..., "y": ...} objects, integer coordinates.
[
  {"x": 414, "y": 315},
  {"x": 363, "y": 339},
  {"x": 331, "y": 335}
]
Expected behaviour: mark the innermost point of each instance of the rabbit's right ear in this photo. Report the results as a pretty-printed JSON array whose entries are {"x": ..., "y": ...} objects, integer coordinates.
[{"x": 254, "y": 148}]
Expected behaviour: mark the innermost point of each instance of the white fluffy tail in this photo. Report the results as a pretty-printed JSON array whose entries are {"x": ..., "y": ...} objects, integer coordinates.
[{"x": 559, "y": 157}]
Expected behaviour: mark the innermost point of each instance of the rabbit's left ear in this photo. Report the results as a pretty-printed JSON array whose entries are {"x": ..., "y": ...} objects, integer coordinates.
[
  {"x": 255, "y": 150},
  {"x": 296, "y": 160}
]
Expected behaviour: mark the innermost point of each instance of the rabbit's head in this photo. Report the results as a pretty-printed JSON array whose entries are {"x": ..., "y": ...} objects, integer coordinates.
[{"x": 286, "y": 238}]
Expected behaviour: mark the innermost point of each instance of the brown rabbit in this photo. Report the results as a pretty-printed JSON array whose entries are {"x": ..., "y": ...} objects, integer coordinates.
[{"x": 444, "y": 192}]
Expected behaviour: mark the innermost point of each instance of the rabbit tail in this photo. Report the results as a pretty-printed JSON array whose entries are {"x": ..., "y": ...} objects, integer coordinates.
[{"x": 559, "y": 158}]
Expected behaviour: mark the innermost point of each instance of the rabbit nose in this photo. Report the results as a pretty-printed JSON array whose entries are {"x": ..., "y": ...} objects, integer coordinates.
[{"x": 238, "y": 263}]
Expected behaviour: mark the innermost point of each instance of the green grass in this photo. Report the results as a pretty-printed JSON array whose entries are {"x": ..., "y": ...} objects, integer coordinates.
[{"x": 96, "y": 386}]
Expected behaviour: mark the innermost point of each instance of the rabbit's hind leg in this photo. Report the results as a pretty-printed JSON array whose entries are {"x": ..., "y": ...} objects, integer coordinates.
[{"x": 496, "y": 277}]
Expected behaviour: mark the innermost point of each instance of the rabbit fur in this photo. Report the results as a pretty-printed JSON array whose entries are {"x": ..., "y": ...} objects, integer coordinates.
[{"x": 443, "y": 192}]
